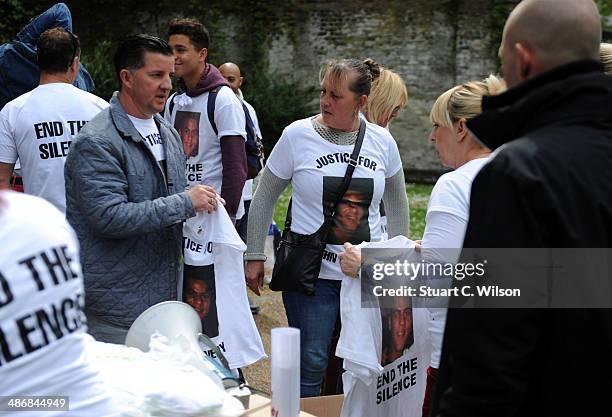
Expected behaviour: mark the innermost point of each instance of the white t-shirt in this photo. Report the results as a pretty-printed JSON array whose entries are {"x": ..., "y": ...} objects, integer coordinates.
[
  {"x": 211, "y": 239},
  {"x": 42, "y": 324},
  {"x": 247, "y": 191},
  {"x": 150, "y": 133},
  {"x": 200, "y": 143},
  {"x": 316, "y": 168},
  {"x": 446, "y": 220},
  {"x": 372, "y": 387},
  {"x": 38, "y": 127}
]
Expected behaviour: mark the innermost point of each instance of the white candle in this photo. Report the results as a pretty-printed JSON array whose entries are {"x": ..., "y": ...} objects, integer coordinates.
[{"x": 285, "y": 372}]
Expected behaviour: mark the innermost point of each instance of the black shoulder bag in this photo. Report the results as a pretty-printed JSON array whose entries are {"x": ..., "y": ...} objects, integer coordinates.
[{"x": 298, "y": 259}]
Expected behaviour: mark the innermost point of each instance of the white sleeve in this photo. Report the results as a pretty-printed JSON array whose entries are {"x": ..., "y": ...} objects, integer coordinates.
[
  {"x": 229, "y": 114},
  {"x": 442, "y": 231},
  {"x": 442, "y": 242},
  {"x": 280, "y": 161},
  {"x": 8, "y": 148},
  {"x": 394, "y": 162},
  {"x": 447, "y": 196}
]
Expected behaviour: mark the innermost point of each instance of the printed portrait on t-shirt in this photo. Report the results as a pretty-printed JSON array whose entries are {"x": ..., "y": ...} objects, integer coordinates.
[
  {"x": 398, "y": 334},
  {"x": 187, "y": 123},
  {"x": 199, "y": 292},
  {"x": 351, "y": 220}
]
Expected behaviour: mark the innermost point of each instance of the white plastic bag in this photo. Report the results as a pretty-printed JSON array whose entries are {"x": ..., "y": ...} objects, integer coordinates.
[{"x": 163, "y": 381}]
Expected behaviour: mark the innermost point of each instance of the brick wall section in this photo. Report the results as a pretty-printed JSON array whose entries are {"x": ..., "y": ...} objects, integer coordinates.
[{"x": 432, "y": 44}]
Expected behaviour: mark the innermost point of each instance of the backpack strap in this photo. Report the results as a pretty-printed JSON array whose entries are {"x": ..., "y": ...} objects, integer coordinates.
[
  {"x": 210, "y": 108},
  {"x": 251, "y": 141}
]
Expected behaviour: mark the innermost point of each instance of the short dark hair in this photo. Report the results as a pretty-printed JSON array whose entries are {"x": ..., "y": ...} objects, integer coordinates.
[
  {"x": 130, "y": 53},
  {"x": 194, "y": 30},
  {"x": 56, "y": 50}
]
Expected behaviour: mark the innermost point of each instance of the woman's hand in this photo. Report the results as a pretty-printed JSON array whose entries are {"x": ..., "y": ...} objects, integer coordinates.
[
  {"x": 254, "y": 273},
  {"x": 350, "y": 260},
  {"x": 418, "y": 244}
]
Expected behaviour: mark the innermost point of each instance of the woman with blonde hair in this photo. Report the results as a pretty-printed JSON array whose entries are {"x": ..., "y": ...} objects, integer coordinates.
[
  {"x": 312, "y": 155},
  {"x": 389, "y": 95},
  {"x": 448, "y": 208}
]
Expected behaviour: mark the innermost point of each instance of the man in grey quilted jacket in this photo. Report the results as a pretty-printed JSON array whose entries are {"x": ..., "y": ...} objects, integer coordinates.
[{"x": 125, "y": 192}]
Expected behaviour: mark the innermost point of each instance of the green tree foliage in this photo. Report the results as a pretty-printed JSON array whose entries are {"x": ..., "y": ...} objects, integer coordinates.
[
  {"x": 605, "y": 7},
  {"x": 99, "y": 63},
  {"x": 278, "y": 101},
  {"x": 14, "y": 15}
]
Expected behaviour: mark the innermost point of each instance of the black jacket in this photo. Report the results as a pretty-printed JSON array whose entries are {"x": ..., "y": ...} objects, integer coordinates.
[{"x": 549, "y": 186}]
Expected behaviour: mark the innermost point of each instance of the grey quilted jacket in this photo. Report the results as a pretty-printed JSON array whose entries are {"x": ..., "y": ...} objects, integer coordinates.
[{"x": 127, "y": 216}]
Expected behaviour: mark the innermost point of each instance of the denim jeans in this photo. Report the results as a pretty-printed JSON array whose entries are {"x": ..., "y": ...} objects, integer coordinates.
[{"x": 315, "y": 316}]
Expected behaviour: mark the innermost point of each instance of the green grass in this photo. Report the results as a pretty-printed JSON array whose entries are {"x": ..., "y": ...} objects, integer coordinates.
[{"x": 418, "y": 195}]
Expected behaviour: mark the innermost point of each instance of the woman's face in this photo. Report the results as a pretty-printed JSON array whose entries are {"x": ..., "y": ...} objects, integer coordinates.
[
  {"x": 339, "y": 105},
  {"x": 445, "y": 140}
]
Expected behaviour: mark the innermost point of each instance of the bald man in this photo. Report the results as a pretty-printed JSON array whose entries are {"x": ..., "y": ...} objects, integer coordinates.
[
  {"x": 231, "y": 72},
  {"x": 549, "y": 185}
]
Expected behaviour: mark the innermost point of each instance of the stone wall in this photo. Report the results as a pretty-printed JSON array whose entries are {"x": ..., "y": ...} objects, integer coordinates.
[{"x": 433, "y": 45}]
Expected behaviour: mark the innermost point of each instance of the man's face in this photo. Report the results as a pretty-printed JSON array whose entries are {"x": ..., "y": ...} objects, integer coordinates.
[
  {"x": 232, "y": 75},
  {"x": 400, "y": 323},
  {"x": 150, "y": 85},
  {"x": 187, "y": 58},
  {"x": 199, "y": 297},
  {"x": 189, "y": 136},
  {"x": 350, "y": 210}
]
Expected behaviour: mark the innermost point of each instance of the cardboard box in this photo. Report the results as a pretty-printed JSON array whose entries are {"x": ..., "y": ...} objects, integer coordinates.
[
  {"x": 327, "y": 406},
  {"x": 259, "y": 406}
]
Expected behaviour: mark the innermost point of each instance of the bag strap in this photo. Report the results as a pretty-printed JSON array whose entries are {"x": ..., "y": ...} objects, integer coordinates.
[
  {"x": 345, "y": 181},
  {"x": 250, "y": 130},
  {"x": 348, "y": 175},
  {"x": 210, "y": 108}
]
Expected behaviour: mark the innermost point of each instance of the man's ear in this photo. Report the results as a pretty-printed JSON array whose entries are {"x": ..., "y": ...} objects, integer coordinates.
[
  {"x": 76, "y": 64},
  {"x": 241, "y": 80},
  {"x": 74, "y": 68},
  {"x": 126, "y": 77},
  {"x": 461, "y": 130},
  {"x": 203, "y": 54},
  {"x": 525, "y": 60}
]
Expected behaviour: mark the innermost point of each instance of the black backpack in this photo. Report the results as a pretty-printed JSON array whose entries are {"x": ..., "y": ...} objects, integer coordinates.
[{"x": 253, "y": 145}]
